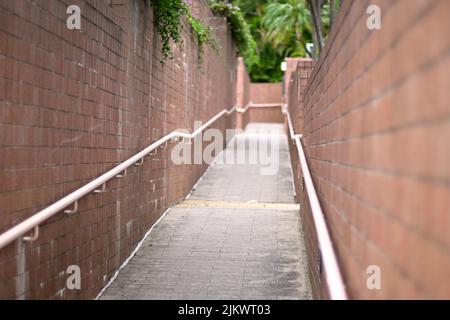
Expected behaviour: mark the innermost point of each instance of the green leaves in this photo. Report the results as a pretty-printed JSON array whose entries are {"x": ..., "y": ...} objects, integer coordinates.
[
  {"x": 283, "y": 28},
  {"x": 168, "y": 15},
  {"x": 203, "y": 33},
  {"x": 288, "y": 27},
  {"x": 239, "y": 28},
  {"x": 266, "y": 31}
]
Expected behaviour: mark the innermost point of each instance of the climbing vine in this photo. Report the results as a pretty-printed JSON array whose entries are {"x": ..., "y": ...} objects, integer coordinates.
[
  {"x": 168, "y": 16},
  {"x": 203, "y": 34},
  {"x": 239, "y": 28}
]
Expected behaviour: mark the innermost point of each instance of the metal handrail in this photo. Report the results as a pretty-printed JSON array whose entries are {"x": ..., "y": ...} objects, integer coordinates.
[
  {"x": 35, "y": 220},
  {"x": 259, "y": 105},
  {"x": 334, "y": 280},
  {"x": 266, "y": 105},
  {"x": 244, "y": 110},
  {"x": 335, "y": 283}
]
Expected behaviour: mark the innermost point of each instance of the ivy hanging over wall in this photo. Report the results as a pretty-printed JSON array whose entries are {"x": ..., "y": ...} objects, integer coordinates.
[
  {"x": 203, "y": 34},
  {"x": 239, "y": 28},
  {"x": 168, "y": 16}
]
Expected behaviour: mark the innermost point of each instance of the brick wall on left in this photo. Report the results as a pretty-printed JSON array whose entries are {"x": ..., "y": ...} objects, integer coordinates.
[{"x": 73, "y": 104}]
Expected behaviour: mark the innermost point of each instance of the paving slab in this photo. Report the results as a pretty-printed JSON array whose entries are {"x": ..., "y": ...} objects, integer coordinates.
[{"x": 238, "y": 236}]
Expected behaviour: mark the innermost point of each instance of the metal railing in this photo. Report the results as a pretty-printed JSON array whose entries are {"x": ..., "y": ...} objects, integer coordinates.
[
  {"x": 334, "y": 280},
  {"x": 335, "y": 283},
  {"x": 258, "y": 105},
  {"x": 97, "y": 185}
]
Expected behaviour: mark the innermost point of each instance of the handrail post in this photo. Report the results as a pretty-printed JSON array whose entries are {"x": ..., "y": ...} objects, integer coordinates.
[
  {"x": 103, "y": 189},
  {"x": 32, "y": 237},
  {"x": 74, "y": 210},
  {"x": 140, "y": 163},
  {"x": 123, "y": 174}
]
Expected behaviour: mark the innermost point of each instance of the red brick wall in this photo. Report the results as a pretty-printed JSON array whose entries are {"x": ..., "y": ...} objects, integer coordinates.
[
  {"x": 243, "y": 85},
  {"x": 257, "y": 93},
  {"x": 266, "y": 92},
  {"x": 73, "y": 104},
  {"x": 265, "y": 114},
  {"x": 298, "y": 80},
  {"x": 376, "y": 126},
  {"x": 291, "y": 66}
]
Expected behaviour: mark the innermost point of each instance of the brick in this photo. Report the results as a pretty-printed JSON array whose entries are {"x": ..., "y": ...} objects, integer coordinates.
[
  {"x": 74, "y": 105},
  {"x": 375, "y": 121}
]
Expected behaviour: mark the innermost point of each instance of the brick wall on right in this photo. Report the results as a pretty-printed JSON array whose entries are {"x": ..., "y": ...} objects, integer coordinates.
[{"x": 375, "y": 115}]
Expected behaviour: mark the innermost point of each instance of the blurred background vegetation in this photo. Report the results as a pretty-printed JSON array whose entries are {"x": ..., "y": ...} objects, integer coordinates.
[
  {"x": 284, "y": 28},
  {"x": 265, "y": 31}
]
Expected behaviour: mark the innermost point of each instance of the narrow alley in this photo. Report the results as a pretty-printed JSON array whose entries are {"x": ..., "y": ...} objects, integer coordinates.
[
  {"x": 238, "y": 236},
  {"x": 334, "y": 183}
]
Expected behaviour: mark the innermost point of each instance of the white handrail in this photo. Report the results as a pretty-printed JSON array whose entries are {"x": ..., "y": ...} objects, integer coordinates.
[
  {"x": 335, "y": 283},
  {"x": 35, "y": 220},
  {"x": 334, "y": 279},
  {"x": 266, "y": 105},
  {"x": 258, "y": 105},
  {"x": 244, "y": 110}
]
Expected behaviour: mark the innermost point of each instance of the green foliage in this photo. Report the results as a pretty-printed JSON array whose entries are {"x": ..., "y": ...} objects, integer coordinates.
[
  {"x": 168, "y": 15},
  {"x": 267, "y": 66},
  {"x": 239, "y": 28},
  {"x": 266, "y": 31},
  {"x": 288, "y": 27},
  {"x": 203, "y": 34},
  {"x": 281, "y": 28}
]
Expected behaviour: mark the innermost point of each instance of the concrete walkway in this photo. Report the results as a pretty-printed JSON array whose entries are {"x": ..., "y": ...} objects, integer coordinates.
[{"x": 238, "y": 236}]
